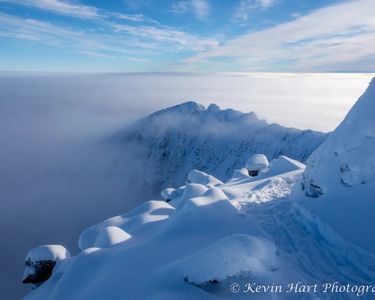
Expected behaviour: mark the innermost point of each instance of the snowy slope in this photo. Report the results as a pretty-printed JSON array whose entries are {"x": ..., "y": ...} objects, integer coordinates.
[
  {"x": 340, "y": 174},
  {"x": 210, "y": 237},
  {"x": 189, "y": 136}
]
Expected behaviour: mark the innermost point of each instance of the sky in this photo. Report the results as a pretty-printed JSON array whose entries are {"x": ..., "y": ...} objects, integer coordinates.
[{"x": 187, "y": 35}]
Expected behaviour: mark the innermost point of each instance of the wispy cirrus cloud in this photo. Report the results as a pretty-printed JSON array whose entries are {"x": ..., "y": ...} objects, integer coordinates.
[
  {"x": 181, "y": 7},
  {"x": 333, "y": 38},
  {"x": 45, "y": 33},
  {"x": 60, "y": 7},
  {"x": 266, "y": 3},
  {"x": 77, "y": 10},
  {"x": 127, "y": 17},
  {"x": 246, "y": 7},
  {"x": 162, "y": 35},
  {"x": 116, "y": 40},
  {"x": 70, "y": 40},
  {"x": 200, "y": 8},
  {"x": 113, "y": 39},
  {"x": 339, "y": 37}
]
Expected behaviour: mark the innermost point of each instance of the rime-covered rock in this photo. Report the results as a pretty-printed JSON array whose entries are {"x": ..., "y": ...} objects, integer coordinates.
[{"x": 40, "y": 262}]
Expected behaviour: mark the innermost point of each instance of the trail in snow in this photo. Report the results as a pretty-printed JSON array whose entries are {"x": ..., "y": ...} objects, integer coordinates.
[
  {"x": 304, "y": 241},
  {"x": 270, "y": 190}
]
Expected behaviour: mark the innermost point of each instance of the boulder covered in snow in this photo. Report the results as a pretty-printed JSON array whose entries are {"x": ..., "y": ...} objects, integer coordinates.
[
  {"x": 347, "y": 157},
  {"x": 40, "y": 262},
  {"x": 257, "y": 163},
  {"x": 200, "y": 177}
]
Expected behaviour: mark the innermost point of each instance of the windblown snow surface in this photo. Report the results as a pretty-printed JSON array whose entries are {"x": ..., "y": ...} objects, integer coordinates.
[{"x": 248, "y": 229}]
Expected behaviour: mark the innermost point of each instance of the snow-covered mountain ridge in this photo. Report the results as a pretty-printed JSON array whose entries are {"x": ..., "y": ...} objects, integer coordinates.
[
  {"x": 175, "y": 140},
  {"x": 210, "y": 239}
]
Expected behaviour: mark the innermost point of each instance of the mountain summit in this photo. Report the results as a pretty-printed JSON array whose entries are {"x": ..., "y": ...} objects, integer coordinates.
[{"x": 175, "y": 140}]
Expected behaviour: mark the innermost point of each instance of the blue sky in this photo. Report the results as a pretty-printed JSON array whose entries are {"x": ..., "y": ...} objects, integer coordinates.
[{"x": 187, "y": 35}]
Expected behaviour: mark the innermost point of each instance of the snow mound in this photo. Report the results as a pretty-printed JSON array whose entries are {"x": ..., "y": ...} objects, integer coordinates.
[
  {"x": 150, "y": 207},
  {"x": 213, "y": 196},
  {"x": 240, "y": 174},
  {"x": 111, "y": 235},
  {"x": 132, "y": 222},
  {"x": 196, "y": 176},
  {"x": 346, "y": 158},
  {"x": 206, "y": 216},
  {"x": 191, "y": 190},
  {"x": 228, "y": 257},
  {"x": 257, "y": 162}
]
